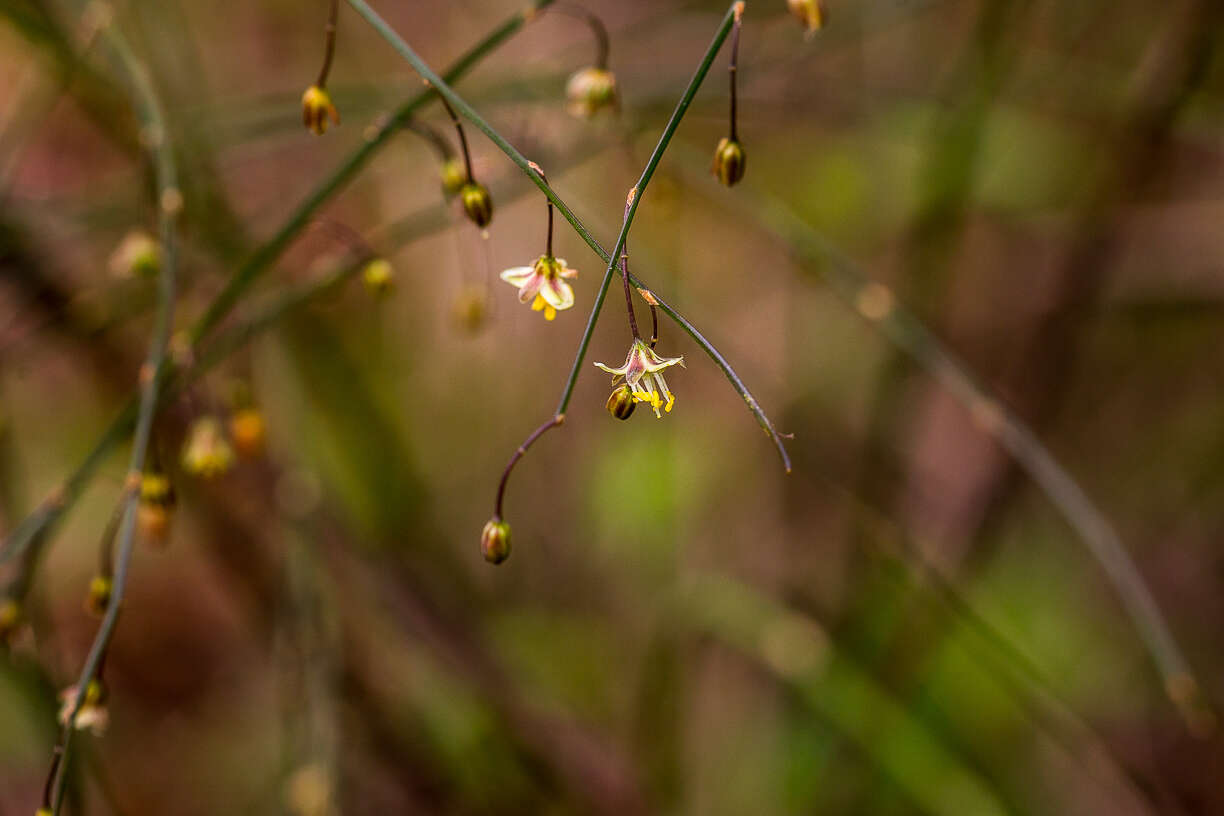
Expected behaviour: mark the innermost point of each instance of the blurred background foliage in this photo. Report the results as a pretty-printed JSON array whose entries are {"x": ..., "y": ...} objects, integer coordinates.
[{"x": 905, "y": 624}]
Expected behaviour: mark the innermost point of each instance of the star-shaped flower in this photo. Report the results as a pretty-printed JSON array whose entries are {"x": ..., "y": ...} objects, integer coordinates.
[
  {"x": 643, "y": 373},
  {"x": 542, "y": 285}
]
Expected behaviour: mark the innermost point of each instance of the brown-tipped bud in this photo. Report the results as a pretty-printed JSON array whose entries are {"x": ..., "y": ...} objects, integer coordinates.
[
  {"x": 622, "y": 403},
  {"x": 137, "y": 256},
  {"x": 378, "y": 276},
  {"x": 454, "y": 176},
  {"x": 810, "y": 13},
  {"x": 207, "y": 453},
  {"x": 99, "y": 595},
  {"x": 591, "y": 90},
  {"x": 470, "y": 308},
  {"x": 495, "y": 541},
  {"x": 477, "y": 203},
  {"x": 728, "y": 161},
  {"x": 10, "y": 619},
  {"x": 317, "y": 109},
  {"x": 248, "y": 430}
]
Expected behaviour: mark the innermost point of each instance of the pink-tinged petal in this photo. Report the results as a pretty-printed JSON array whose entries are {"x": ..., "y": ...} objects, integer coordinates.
[
  {"x": 530, "y": 287},
  {"x": 517, "y": 276},
  {"x": 558, "y": 294},
  {"x": 616, "y": 373}
]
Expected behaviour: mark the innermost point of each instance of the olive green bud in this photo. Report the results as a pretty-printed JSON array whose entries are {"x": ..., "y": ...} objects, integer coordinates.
[
  {"x": 378, "y": 276},
  {"x": 728, "y": 161},
  {"x": 495, "y": 541},
  {"x": 810, "y": 13},
  {"x": 477, "y": 203},
  {"x": 317, "y": 108},
  {"x": 99, "y": 595},
  {"x": 454, "y": 176},
  {"x": 622, "y": 403},
  {"x": 591, "y": 90}
]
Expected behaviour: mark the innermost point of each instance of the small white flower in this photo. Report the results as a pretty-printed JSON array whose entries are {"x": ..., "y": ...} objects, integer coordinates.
[
  {"x": 643, "y": 373},
  {"x": 543, "y": 285}
]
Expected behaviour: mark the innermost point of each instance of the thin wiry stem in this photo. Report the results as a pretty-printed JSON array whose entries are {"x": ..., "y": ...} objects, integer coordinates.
[
  {"x": 624, "y": 265},
  {"x": 877, "y": 304},
  {"x": 733, "y": 67},
  {"x": 463, "y": 145},
  {"x": 686, "y": 99},
  {"x": 37, "y": 526},
  {"x": 517, "y": 455},
  {"x": 598, "y": 29},
  {"x": 170, "y": 201},
  {"x": 436, "y": 140},
  {"x": 333, "y": 16}
]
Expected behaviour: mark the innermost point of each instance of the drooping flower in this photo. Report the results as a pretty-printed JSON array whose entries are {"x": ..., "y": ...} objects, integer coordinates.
[
  {"x": 543, "y": 285},
  {"x": 810, "y": 13},
  {"x": 317, "y": 108},
  {"x": 643, "y": 373},
  {"x": 591, "y": 90},
  {"x": 207, "y": 453},
  {"x": 92, "y": 714}
]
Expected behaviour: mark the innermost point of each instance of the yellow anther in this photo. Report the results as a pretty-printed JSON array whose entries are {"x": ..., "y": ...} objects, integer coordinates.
[
  {"x": 539, "y": 303},
  {"x": 671, "y": 400},
  {"x": 550, "y": 313}
]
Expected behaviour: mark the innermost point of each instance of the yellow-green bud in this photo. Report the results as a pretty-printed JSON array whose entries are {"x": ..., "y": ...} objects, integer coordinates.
[
  {"x": 378, "y": 276},
  {"x": 811, "y": 13},
  {"x": 207, "y": 452},
  {"x": 99, "y": 595},
  {"x": 622, "y": 403},
  {"x": 453, "y": 175},
  {"x": 138, "y": 255},
  {"x": 317, "y": 108},
  {"x": 728, "y": 161},
  {"x": 591, "y": 90},
  {"x": 495, "y": 541},
  {"x": 477, "y": 203}
]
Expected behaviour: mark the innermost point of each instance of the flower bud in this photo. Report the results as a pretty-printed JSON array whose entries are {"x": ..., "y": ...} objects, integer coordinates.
[
  {"x": 247, "y": 429},
  {"x": 10, "y": 619},
  {"x": 622, "y": 403},
  {"x": 153, "y": 512},
  {"x": 591, "y": 90},
  {"x": 477, "y": 203},
  {"x": 137, "y": 256},
  {"x": 317, "y": 108},
  {"x": 454, "y": 176},
  {"x": 378, "y": 276},
  {"x": 207, "y": 453},
  {"x": 43, "y": 812},
  {"x": 811, "y": 13},
  {"x": 495, "y": 541},
  {"x": 99, "y": 595},
  {"x": 728, "y": 161}
]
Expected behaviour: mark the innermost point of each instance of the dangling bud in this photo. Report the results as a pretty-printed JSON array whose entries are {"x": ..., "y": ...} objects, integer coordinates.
[
  {"x": 10, "y": 619},
  {"x": 477, "y": 203},
  {"x": 495, "y": 541},
  {"x": 378, "y": 277},
  {"x": 206, "y": 452},
  {"x": 92, "y": 714},
  {"x": 137, "y": 256},
  {"x": 728, "y": 161},
  {"x": 470, "y": 307},
  {"x": 811, "y": 13},
  {"x": 590, "y": 91},
  {"x": 622, "y": 403},
  {"x": 43, "y": 812},
  {"x": 153, "y": 512},
  {"x": 99, "y": 596},
  {"x": 453, "y": 176},
  {"x": 317, "y": 108},
  {"x": 247, "y": 429}
]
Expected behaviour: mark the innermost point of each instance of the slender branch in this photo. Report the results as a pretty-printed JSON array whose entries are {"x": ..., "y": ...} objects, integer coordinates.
[
  {"x": 514, "y": 155},
  {"x": 170, "y": 201},
  {"x": 436, "y": 140},
  {"x": 598, "y": 29},
  {"x": 624, "y": 264},
  {"x": 37, "y": 526},
  {"x": 733, "y": 67},
  {"x": 463, "y": 144},
  {"x": 333, "y": 16},
  {"x": 518, "y": 454}
]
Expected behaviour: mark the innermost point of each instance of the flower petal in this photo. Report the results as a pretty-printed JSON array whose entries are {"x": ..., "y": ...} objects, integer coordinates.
[
  {"x": 558, "y": 293},
  {"x": 517, "y": 276},
  {"x": 530, "y": 287}
]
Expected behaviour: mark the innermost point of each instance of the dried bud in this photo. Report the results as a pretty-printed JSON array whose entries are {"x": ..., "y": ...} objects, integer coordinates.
[
  {"x": 477, "y": 203},
  {"x": 206, "y": 452},
  {"x": 495, "y": 541},
  {"x": 454, "y": 176},
  {"x": 317, "y": 108},
  {"x": 378, "y": 276},
  {"x": 92, "y": 714},
  {"x": 246, "y": 427},
  {"x": 99, "y": 595},
  {"x": 471, "y": 307},
  {"x": 10, "y": 619},
  {"x": 811, "y": 13},
  {"x": 591, "y": 90},
  {"x": 728, "y": 161},
  {"x": 138, "y": 255},
  {"x": 622, "y": 403}
]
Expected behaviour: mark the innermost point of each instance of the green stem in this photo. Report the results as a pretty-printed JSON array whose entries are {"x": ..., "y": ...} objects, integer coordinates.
[
  {"x": 170, "y": 200},
  {"x": 635, "y": 197}
]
